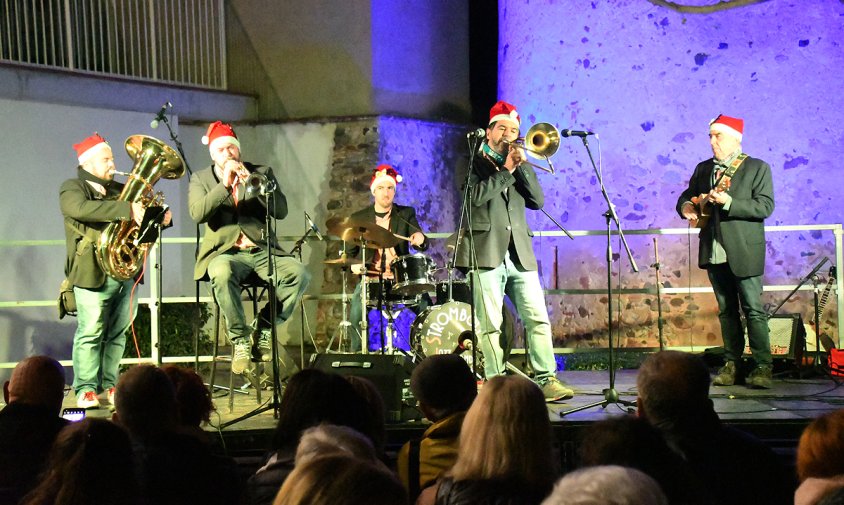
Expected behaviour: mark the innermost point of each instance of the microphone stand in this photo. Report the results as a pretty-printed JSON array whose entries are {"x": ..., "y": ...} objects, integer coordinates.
[
  {"x": 175, "y": 139},
  {"x": 610, "y": 394}
]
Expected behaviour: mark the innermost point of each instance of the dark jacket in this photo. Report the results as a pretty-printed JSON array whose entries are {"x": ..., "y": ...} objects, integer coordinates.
[
  {"x": 402, "y": 222},
  {"x": 742, "y": 228},
  {"x": 210, "y": 202},
  {"x": 488, "y": 492},
  {"x": 89, "y": 212},
  {"x": 498, "y": 200}
]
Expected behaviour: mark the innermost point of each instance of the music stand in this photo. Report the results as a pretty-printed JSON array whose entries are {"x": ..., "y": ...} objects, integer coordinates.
[{"x": 610, "y": 394}]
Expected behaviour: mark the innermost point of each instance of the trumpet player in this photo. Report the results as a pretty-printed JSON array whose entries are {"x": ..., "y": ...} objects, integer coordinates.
[
  {"x": 502, "y": 186},
  {"x": 104, "y": 312},
  {"x": 235, "y": 246}
]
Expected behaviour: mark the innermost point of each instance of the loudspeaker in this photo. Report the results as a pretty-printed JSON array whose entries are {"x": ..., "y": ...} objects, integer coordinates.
[
  {"x": 788, "y": 337},
  {"x": 389, "y": 372}
]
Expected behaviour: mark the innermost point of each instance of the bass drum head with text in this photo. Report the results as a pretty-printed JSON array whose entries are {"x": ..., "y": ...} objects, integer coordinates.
[{"x": 438, "y": 330}]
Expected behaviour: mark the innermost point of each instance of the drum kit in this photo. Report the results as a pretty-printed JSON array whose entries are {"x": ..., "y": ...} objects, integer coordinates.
[{"x": 441, "y": 328}]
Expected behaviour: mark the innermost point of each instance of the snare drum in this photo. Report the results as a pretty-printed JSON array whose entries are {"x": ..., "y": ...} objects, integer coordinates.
[
  {"x": 438, "y": 329},
  {"x": 373, "y": 290},
  {"x": 459, "y": 292},
  {"x": 414, "y": 274}
]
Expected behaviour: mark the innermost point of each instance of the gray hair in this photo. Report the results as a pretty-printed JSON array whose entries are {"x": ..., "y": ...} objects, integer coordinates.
[{"x": 606, "y": 485}]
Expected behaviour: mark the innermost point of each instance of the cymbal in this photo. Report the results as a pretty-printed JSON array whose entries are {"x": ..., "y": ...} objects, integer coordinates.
[
  {"x": 342, "y": 261},
  {"x": 351, "y": 230}
]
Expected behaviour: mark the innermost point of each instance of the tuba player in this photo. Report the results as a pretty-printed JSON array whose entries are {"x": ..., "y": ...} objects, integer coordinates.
[{"x": 88, "y": 203}]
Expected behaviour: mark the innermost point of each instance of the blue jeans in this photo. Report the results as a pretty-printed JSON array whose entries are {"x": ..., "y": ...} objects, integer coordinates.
[
  {"x": 230, "y": 269},
  {"x": 525, "y": 291},
  {"x": 104, "y": 315},
  {"x": 733, "y": 292}
]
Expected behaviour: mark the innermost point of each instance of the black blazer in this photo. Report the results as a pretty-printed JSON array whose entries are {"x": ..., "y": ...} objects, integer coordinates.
[
  {"x": 742, "y": 228},
  {"x": 402, "y": 222},
  {"x": 210, "y": 202},
  {"x": 499, "y": 215}
]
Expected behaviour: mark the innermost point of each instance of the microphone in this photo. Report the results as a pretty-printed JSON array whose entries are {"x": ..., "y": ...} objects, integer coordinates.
[
  {"x": 314, "y": 227},
  {"x": 575, "y": 133},
  {"x": 464, "y": 343},
  {"x": 476, "y": 134},
  {"x": 160, "y": 116}
]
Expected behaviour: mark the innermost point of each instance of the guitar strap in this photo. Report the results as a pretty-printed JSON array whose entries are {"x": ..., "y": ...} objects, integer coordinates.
[{"x": 732, "y": 169}]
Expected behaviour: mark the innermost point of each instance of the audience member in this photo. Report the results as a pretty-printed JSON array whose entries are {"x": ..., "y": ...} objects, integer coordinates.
[
  {"x": 606, "y": 485},
  {"x": 631, "y": 442},
  {"x": 340, "y": 480},
  {"x": 835, "y": 497},
  {"x": 172, "y": 467},
  {"x": 674, "y": 397},
  {"x": 329, "y": 439},
  {"x": 90, "y": 462},
  {"x": 820, "y": 464},
  {"x": 29, "y": 423},
  {"x": 310, "y": 398},
  {"x": 444, "y": 388},
  {"x": 505, "y": 449},
  {"x": 193, "y": 399},
  {"x": 377, "y": 411}
]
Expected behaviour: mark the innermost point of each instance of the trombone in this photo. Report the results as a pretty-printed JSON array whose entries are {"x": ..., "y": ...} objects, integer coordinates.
[{"x": 541, "y": 141}]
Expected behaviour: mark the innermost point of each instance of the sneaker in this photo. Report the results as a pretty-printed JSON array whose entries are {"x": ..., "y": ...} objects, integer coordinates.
[
  {"x": 726, "y": 375},
  {"x": 241, "y": 356},
  {"x": 88, "y": 400},
  {"x": 110, "y": 395},
  {"x": 760, "y": 377},
  {"x": 262, "y": 349},
  {"x": 554, "y": 390}
]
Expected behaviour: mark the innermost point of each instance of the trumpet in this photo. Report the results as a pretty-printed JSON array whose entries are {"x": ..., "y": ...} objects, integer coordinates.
[
  {"x": 259, "y": 183},
  {"x": 541, "y": 141}
]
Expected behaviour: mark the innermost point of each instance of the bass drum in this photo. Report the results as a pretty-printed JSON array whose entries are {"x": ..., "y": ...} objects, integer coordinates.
[{"x": 442, "y": 329}]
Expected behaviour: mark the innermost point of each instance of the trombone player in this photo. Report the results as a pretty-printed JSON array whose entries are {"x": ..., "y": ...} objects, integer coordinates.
[
  {"x": 502, "y": 185},
  {"x": 234, "y": 246}
]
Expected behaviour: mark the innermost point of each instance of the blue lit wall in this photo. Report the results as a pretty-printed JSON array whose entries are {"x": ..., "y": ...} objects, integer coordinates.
[{"x": 648, "y": 80}]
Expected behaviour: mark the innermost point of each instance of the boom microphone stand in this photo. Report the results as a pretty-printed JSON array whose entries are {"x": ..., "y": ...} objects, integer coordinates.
[{"x": 610, "y": 394}]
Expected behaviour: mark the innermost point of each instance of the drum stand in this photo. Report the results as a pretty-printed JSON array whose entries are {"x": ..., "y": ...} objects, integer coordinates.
[{"x": 343, "y": 327}]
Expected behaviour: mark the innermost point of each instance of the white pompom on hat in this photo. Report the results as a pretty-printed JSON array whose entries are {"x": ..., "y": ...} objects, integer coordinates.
[
  {"x": 219, "y": 133},
  {"x": 381, "y": 173}
]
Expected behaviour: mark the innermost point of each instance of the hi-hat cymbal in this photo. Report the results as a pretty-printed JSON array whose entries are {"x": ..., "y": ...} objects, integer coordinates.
[
  {"x": 352, "y": 230},
  {"x": 342, "y": 261}
]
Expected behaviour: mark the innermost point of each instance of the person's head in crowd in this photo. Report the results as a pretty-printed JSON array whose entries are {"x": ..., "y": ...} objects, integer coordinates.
[
  {"x": 673, "y": 389},
  {"x": 606, "y": 485},
  {"x": 632, "y": 442},
  {"x": 327, "y": 439},
  {"x": 36, "y": 381},
  {"x": 376, "y": 410},
  {"x": 507, "y": 435},
  {"x": 90, "y": 462},
  {"x": 145, "y": 402},
  {"x": 193, "y": 399},
  {"x": 340, "y": 480},
  {"x": 820, "y": 452},
  {"x": 443, "y": 385},
  {"x": 834, "y": 497},
  {"x": 313, "y": 397}
]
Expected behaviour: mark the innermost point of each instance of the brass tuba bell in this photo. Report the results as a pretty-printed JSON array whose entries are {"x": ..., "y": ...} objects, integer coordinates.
[{"x": 119, "y": 256}]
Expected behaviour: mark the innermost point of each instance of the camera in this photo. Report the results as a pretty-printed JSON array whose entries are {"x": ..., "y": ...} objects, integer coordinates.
[{"x": 73, "y": 414}]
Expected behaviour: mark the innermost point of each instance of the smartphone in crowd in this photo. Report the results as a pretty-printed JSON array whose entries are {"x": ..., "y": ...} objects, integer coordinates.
[{"x": 73, "y": 414}]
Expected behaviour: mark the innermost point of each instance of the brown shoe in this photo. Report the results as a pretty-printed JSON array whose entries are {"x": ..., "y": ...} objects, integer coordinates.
[
  {"x": 726, "y": 375},
  {"x": 760, "y": 377}
]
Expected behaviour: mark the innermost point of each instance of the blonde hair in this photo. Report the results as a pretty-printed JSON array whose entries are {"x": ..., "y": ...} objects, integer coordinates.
[{"x": 506, "y": 434}]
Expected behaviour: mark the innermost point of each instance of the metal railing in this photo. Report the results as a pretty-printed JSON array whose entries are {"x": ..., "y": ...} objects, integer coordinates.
[
  {"x": 155, "y": 288},
  {"x": 172, "y": 41}
]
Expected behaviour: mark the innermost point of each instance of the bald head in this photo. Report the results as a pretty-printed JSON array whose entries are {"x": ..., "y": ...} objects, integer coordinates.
[{"x": 37, "y": 380}]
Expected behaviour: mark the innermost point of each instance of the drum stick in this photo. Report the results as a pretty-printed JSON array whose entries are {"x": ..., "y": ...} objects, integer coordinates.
[{"x": 401, "y": 237}]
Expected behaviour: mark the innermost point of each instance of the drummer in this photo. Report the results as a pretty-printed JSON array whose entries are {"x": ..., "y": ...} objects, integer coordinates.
[{"x": 401, "y": 221}]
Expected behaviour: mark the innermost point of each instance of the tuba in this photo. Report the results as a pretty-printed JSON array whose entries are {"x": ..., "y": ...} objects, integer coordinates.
[{"x": 117, "y": 251}]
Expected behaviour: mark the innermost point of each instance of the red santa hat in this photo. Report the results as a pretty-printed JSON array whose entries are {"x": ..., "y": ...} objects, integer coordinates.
[
  {"x": 218, "y": 134},
  {"x": 730, "y": 125},
  {"x": 504, "y": 111},
  {"x": 89, "y": 147},
  {"x": 382, "y": 173}
]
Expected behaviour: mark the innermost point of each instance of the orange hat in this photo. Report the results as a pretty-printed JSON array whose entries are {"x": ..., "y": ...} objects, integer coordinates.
[
  {"x": 86, "y": 149},
  {"x": 504, "y": 111},
  {"x": 730, "y": 125},
  {"x": 381, "y": 173},
  {"x": 219, "y": 133}
]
